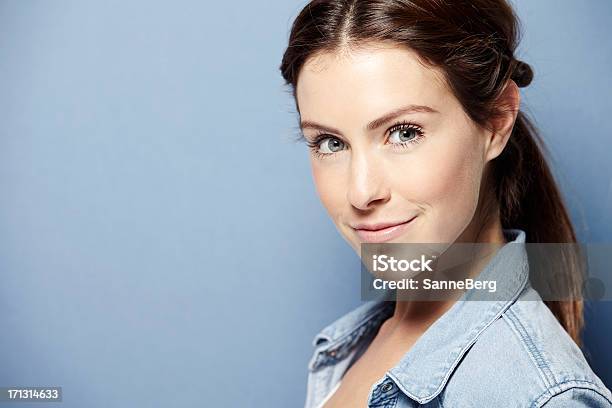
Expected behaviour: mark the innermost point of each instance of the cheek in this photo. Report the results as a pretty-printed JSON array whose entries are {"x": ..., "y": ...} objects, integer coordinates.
[
  {"x": 444, "y": 180},
  {"x": 330, "y": 185}
]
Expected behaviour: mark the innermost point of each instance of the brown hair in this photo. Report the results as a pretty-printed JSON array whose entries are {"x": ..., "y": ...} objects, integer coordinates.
[{"x": 473, "y": 41}]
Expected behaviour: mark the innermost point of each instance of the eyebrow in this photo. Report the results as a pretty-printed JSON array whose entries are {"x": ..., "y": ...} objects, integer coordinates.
[{"x": 376, "y": 123}]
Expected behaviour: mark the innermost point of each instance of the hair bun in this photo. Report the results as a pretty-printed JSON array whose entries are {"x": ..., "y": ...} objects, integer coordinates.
[{"x": 522, "y": 74}]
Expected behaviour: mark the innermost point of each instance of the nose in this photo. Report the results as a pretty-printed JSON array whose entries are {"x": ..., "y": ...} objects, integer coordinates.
[{"x": 367, "y": 187}]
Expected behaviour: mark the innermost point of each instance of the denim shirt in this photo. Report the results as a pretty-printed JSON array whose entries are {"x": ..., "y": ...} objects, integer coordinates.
[{"x": 500, "y": 353}]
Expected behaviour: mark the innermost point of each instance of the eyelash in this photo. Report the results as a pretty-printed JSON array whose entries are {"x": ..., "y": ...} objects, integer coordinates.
[{"x": 402, "y": 125}]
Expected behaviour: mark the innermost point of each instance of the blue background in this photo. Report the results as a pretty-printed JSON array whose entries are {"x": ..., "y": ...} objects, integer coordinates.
[{"x": 161, "y": 241}]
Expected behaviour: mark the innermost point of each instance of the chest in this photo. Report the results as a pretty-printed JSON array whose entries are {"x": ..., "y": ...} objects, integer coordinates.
[{"x": 360, "y": 379}]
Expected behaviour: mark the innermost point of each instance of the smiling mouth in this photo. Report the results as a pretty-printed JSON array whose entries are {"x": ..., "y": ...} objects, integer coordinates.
[{"x": 376, "y": 233}]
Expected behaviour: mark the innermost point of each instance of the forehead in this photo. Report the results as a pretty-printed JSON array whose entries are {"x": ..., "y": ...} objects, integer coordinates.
[{"x": 362, "y": 82}]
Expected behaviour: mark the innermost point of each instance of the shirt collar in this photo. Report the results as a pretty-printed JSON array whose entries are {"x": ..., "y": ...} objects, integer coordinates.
[{"x": 423, "y": 372}]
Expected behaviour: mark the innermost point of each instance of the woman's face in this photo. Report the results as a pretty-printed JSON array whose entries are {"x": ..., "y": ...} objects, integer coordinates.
[{"x": 394, "y": 156}]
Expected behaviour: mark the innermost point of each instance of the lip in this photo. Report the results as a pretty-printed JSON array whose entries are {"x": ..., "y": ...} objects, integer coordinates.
[{"x": 382, "y": 232}]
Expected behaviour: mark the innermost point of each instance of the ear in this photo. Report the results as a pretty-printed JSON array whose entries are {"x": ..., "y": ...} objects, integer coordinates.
[{"x": 509, "y": 103}]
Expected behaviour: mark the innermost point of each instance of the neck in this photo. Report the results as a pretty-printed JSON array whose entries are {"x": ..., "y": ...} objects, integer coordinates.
[{"x": 419, "y": 315}]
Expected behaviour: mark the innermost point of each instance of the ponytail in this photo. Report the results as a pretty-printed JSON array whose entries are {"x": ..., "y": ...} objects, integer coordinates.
[{"x": 529, "y": 199}]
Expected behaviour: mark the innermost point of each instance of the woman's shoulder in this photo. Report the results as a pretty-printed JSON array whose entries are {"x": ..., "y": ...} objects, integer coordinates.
[{"x": 535, "y": 363}]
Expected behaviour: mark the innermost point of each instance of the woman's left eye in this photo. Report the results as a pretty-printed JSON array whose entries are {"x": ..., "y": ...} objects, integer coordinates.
[{"x": 404, "y": 135}]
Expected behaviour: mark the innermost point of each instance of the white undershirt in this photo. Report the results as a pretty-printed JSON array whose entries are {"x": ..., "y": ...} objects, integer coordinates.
[{"x": 329, "y": 395}]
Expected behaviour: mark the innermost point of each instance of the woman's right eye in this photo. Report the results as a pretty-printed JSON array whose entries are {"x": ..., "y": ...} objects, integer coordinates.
[{"x": 330, "y": 145}]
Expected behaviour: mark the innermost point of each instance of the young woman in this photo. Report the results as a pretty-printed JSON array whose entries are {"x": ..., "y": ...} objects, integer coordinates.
[{"x": 411, "y": 111}]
